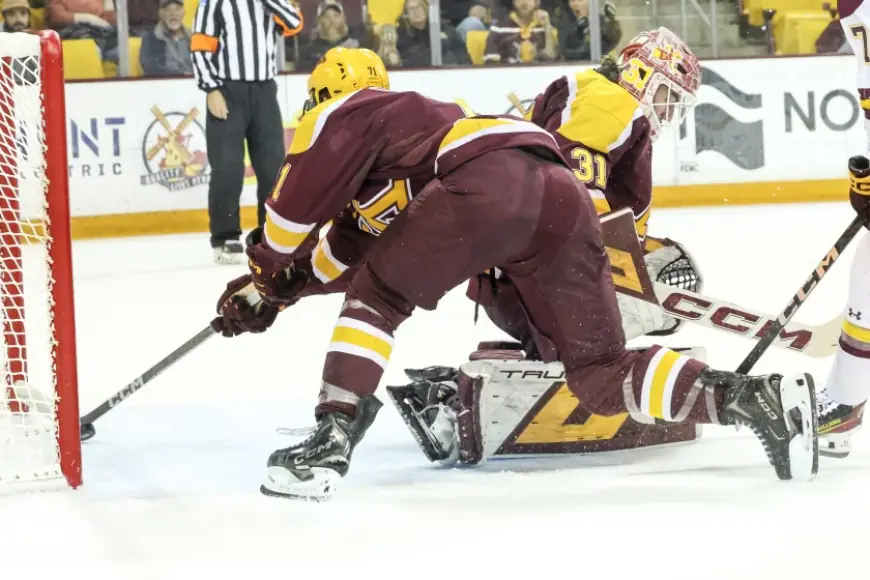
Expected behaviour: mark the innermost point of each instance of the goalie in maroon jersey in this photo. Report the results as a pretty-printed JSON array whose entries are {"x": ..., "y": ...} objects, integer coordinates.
[{"x": 499, "y": 194}]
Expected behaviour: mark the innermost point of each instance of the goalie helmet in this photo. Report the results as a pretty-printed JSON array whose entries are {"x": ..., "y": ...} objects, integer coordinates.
[
  {"x": 663, "y": 74},
  {"x": 341, "y": 71}
]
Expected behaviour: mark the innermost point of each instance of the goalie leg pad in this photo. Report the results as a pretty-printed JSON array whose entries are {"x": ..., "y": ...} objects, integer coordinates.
[
  {"x": 525, "y": 408},
  {"x": 519, "y": 408}
]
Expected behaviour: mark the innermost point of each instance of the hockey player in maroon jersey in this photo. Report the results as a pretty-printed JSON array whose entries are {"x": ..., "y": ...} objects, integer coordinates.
[
  {"x": 605, "y": 121},
  {"x": 500, "y": 195}
]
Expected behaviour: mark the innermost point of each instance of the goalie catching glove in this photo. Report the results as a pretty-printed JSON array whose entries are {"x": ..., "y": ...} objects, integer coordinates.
[{"x": 669, "y": 263}]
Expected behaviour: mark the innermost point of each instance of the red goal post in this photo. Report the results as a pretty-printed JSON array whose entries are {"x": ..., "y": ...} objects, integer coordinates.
[{"x": 39, "y": 416}]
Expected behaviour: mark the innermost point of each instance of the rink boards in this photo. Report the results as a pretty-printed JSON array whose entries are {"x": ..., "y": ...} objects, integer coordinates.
[{"x": 764, "y": 131}]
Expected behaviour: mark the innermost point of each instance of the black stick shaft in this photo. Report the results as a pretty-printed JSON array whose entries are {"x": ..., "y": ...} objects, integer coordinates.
[
  {"x": 798, "y": 299},
  {"x": 148, "y": 375}
]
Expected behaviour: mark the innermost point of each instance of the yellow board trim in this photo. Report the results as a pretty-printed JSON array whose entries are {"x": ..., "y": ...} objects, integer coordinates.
[
  {"x": 362, "y": 339},
  {"x": 719, "y": 194},
  {"x": 659, "y": 380}
]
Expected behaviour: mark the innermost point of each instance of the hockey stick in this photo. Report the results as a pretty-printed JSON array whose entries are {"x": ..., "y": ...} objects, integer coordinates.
[
  {"x": 87, "y": 422},
  {"x": 813, "y": 341},
  {"x": 517, "y": 104},
  {"x": 802, "y": 294}
]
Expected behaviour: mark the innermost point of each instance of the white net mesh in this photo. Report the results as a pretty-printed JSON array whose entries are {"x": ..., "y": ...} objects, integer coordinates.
[{"x": 28, "y": 422}]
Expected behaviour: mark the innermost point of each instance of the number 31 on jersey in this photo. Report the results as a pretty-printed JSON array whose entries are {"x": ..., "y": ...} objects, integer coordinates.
[{"x": 591, "y": 167}]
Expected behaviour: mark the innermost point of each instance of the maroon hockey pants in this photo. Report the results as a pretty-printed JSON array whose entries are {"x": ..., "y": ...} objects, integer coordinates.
[{"x": 527, "y": 216}]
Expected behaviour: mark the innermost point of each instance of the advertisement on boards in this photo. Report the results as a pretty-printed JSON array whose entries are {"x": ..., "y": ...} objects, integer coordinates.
[{"x": 139, "y": 146}]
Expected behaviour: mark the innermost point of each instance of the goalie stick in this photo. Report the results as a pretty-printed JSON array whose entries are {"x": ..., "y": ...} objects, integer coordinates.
[
  {"x": 802, "y": 294},
  {"x": 814, "y": 341}
]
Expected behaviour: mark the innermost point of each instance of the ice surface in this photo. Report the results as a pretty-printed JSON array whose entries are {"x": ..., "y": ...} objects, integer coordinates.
[{"x": 172, "y": 476}]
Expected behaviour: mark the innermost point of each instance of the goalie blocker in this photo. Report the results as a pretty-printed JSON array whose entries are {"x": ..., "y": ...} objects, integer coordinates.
[{"x": 502, "y": 403}]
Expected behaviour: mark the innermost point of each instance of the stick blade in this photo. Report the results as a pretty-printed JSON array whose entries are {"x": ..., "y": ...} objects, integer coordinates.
[{"x": 87, "y": 431}]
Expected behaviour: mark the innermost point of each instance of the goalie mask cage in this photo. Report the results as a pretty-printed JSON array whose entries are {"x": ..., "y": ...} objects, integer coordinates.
[{"x": 40, "y": 445}]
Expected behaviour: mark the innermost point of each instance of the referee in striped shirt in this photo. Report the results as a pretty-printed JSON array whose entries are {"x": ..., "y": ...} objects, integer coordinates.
[{"x": 234, "y": 47}]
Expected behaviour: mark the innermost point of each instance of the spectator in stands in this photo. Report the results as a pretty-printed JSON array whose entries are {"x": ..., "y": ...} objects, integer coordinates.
[
  {"x": 142, "y": 15},
  {"x": 166, "y": 48},
  {"x": 466, "y": 15},
  {"x": 574, "y": 39},
  {"x": 16, "y": 16},
  {"x": 387, "y": 39},
  {"x": 37, "y": 14},
  {"x": 93, "y": 19},
  {"x": 415, "y": 47},
  {"x": 332, "y": 30},
  {"x": 833, "y": 39},
  {"x": 524, "y": 35}
]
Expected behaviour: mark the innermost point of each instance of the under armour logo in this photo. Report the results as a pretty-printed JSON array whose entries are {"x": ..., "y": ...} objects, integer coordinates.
[{"x": 856, "y": 314}]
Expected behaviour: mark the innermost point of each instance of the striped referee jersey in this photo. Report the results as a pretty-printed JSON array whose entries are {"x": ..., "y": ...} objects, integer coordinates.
[{"x": 237, "y": 39}]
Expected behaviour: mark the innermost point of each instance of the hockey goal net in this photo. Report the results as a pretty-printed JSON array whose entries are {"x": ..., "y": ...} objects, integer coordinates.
[{"x": 39, "y": 432}]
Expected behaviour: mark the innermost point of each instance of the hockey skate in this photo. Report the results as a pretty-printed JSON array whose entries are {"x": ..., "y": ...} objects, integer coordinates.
[
  {"x": 230, "y": 252},
  {"x": 311, "y": 469},
  {"x": 781, "y": 411},
  {"x": 837, "y": 425}
]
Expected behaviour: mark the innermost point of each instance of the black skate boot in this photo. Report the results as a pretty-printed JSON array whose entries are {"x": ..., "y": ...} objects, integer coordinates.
[
  {"x": 782, "y": 414},
  {"x": 310, "y": 470},
  {"x": 427, "y": 406},
  {"x": 838, "y": 423}
]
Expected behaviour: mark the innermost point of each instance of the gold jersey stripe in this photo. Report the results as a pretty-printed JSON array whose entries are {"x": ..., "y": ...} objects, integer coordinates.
[
  {"x": 362, "y": 339},
  {"x": 311, "y": 124},
  {"x": 659, "y": 381},
  {"x": 598, "y": 113},
  {"x": 282, "y": 234},
  {"x": 856, "y": 332},
  {"x": 326, "y": 267},
  {"x": 465, "y": 131}
]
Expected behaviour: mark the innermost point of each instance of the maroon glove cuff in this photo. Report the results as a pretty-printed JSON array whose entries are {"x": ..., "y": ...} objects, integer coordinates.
[
  {"x": 859, "y": 186},
  {"x": 277, "y": 278},
  {"x": 237, "y": 316}
]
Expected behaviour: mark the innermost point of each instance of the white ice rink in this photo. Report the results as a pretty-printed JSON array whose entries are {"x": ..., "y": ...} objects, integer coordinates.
[{"x": 172, "y": 476}]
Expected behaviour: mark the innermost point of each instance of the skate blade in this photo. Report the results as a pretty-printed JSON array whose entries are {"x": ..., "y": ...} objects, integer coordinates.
[
  {"x": 798, "y": 394},
  {"x": 281, "y": 482},
  {"x": 836, "y": 445}
]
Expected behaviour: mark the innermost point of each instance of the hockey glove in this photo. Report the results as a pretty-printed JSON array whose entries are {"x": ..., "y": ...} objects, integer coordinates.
[
  {"x": 859, "y": 186},
  {"x": 276, "y": 282},
  {"x": 237, "y": 316}
]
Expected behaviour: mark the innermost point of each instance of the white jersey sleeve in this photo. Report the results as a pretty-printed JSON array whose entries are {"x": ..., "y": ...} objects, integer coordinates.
[
  {"x": 855, "y": 20},
  {"x": 847, "y": 384}
]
